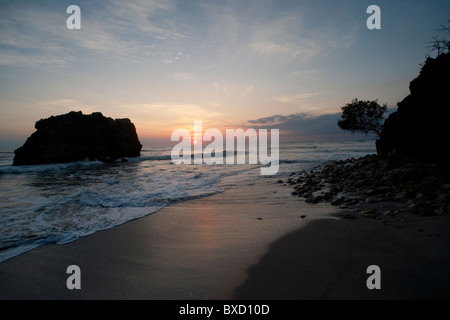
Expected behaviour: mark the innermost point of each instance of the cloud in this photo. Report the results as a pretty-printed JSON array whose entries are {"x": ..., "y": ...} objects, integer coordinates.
[
  {"x": 32, "y": 38},
  {"x": 282, "y": 38},
  {"x": 226, "y": 88},
  {"x": 154, "y": 30},
  {"x": 133, "y": 31},
  {"x": 183, "y": 76},
  {"x": 269, "y": 31},
  {"x": 303, "y": 126},
  {"x": 147, "y": 18},
  {"x": 296, "y": 98},
  {"x": 304, "y": 73}
]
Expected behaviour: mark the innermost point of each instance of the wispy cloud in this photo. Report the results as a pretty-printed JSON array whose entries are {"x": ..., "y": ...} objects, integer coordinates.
[
  {"x": 32, "y": 38},
  {"x": 281, "y": 38},
  {"x": 128, "y": 31},
  {"x": 232, "y": 88},
  {"x": 296, "y": 98},
  {"x": 280, "y": 119},
  {"x": 156, "y": 30},
  {"x": 183, "y": 76},
  {"x": 301, "y": 125},
  {"x": 304, "y": 73},
  {"x": 267, "y": 32}
]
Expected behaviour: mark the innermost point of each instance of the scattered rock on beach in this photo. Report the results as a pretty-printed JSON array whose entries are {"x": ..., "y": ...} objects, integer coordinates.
[
  {"x": 422, "y": 188},
  {"x": 370, "y": 213},
  {"x": 387, "y": 213}
]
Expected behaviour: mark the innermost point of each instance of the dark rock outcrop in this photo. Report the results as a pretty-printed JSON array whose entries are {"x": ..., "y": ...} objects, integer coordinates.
[
  {"x": 419, "y": 129},
  {"x": 75, "y": 136},
  {"x": 411, "y": 171}
]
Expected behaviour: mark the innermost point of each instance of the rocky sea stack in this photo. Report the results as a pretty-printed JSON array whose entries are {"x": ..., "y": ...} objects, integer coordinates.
[
  {"x": 75, "y": 136},
  {"x": 419, "y": 128}
]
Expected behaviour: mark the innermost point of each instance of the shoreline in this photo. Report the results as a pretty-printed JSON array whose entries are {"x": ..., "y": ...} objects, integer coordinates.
[
  {"x": 254, "y": 241},
  {"x": 197, "y": 249}
]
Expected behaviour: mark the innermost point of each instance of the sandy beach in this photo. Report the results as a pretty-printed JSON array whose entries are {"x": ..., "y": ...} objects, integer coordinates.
[
  {"x": 253, "y": 241},
  {"x": 198, "y": 249},
  {"x": 328, "y": 259}
]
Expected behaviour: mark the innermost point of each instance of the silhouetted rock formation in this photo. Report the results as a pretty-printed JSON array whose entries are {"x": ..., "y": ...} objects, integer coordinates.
[
  {"x": 74, "y": 137},
  {"x": 420, "y": 127}
]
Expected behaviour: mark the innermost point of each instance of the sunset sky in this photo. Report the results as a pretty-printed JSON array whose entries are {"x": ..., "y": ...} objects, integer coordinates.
[{"x": 163, "y": 64}]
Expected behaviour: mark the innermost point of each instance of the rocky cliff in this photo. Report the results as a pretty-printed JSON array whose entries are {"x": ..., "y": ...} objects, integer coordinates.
[
  {"x": 419, "y": 129},
  {"x": 75, "y": 136}
]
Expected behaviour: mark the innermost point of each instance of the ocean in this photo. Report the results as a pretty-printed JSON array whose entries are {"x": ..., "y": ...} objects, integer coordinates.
[{"x": 59, "y": 203}]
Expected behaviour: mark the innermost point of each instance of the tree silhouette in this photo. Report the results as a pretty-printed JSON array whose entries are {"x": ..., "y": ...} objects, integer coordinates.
[
  {"x": 440, "y": 44},
  {"x": 363, "y": 116}
]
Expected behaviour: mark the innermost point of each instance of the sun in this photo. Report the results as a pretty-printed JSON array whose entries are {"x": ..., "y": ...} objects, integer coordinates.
[{"x": 195, "y": 141}]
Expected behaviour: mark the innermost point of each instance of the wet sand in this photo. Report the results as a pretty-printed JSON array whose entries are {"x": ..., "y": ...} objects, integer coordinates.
[
  {"x": 253, "y": 241},
  {"x": 328, "y": 259},
  {"x": 197, "y": 249}
]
